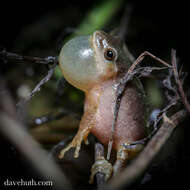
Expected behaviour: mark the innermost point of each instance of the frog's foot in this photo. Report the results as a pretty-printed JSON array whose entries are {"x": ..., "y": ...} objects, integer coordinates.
[
  {"x": 124, "y": 153},
  {"x": 76, "y": 142},
  {"x": 103, "y": 166},
  {"x": 71, "y": 145}
]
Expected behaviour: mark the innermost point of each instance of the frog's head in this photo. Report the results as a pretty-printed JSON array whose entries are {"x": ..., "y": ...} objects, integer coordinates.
[{"x": 88, "y": 60}]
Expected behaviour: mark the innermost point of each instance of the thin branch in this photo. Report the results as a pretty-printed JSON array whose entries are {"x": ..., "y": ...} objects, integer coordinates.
[
  {"x": 100, "y": 177},
  {"x": 145, "y": 158},
  {"x": 50, "y": 60},
  {"x": 116, "y": 111},
  {"x": 139, "y": 72},
  {"x": 37, "y": 87},
  {"x": 168, "y": 85},
  {"x": 142, "y": 56},
  {"x": 138, "y": 167},
  {"x": 122, "y": 85},
  {"x": 178, "y": 82},
  {"x": 157, "y": 121}
]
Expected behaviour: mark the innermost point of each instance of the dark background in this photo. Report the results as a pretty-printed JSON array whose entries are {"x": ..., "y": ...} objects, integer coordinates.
[{"x": 155, "y": 26}]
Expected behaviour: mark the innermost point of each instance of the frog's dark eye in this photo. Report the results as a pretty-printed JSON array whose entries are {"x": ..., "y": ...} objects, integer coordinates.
[{"x": 109, "y": 54}]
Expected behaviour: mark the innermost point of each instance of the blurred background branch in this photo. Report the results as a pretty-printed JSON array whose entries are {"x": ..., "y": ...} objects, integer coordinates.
[{"x": 37, "y": 157}]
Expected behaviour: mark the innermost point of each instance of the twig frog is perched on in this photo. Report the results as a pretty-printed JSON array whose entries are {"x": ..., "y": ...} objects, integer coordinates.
[{"x": 95, "y": 64}]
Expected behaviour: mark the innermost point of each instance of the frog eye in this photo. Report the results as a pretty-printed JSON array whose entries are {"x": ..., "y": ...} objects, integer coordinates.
[{"x": 109, "y": 54}]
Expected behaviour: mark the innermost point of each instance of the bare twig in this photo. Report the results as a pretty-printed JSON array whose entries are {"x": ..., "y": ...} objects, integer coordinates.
[
  {"x": 116, "y": 110},
  {"x": 156, "y": 123},
  {"x": 142, "y": 56},
  {"x": 167, "y": 84},
  {"x": 178, "y": 82},
  {"x": 157, "y": 141},
  {"x": 102, "y": 169},
  {"x": 100, "y": 177},
  {"x": 37, "y": 87},
  {"x": 144, "y": 159},
  {"x": 122, "y": 84},
  {"x": 50, "y": 60}
]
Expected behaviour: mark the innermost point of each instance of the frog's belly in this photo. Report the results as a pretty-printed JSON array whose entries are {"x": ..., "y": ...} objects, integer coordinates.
[{"x": 130, "y": 124}]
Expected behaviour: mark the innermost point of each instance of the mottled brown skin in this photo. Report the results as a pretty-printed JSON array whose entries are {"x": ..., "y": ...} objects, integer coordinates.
[{"x": 100, "y": 96}]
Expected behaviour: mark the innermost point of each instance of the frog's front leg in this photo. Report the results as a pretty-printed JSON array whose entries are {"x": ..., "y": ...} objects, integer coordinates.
[
  {"x": 76, "y": 142},
  {"x": 86, "y": 125},
  {"x": 124, "y": 153}
]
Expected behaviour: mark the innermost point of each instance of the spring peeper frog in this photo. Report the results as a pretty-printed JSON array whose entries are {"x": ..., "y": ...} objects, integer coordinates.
[{"x": 95, "y": 64}]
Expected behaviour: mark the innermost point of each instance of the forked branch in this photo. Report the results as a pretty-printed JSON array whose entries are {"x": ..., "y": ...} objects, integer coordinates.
[
  {"x": 144, "y": 159},
  {"x": 178, "y": 81},
  {"x": 131, "y": 73},
  {"x": 156, "y": 142}
]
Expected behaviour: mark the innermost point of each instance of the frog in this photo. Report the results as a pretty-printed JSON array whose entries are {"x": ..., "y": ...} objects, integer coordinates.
[{"x": 95, "y": 64}]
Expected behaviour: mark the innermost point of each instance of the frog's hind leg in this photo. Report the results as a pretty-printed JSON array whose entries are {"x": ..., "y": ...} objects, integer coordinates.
[{"x": 124, "y": 153}]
